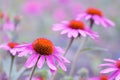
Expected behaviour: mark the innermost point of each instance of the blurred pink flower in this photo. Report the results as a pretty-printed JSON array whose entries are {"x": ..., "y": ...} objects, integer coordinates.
[
  {"x": 34, "y": 7},
  {"x": 102, "y": 77},
  {"x": 8, "y": 25},
  {"x": 9, "y": 46},
  {"x": 35, "y": 78},
  {"x": 111, "y": 66},
  {"x": 59, "y": 12},
  {"x": 44, "y": 49},
  {"x": 74, "y": 29},
  {"x": 97, "y": 16}
]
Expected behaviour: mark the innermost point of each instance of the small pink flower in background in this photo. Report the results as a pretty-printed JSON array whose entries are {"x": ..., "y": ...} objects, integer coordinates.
[
  {"x": 1, "y": 15},
  {"x": 9, "y": 46},
  {"x": 34, "y": 7},
  {"x": 59, "y": 12},
  {"x": 44, "y": 49},
  {"x": 111, "y": 66},
  {"x": 76, "y": 8},
  {"x": 97, "y": 16},
  {"x": 101, "y": 77},
  {"x": 74, "y": 29},
  {"x": 8, "y": 25}
]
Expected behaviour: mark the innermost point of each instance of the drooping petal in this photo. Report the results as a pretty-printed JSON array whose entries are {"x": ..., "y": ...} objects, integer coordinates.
[
  {"x": 24, "y": 53},
  {"x": 31, "y": 60},
  {"x": 82, "y": 33},
  {"x": 74, "y": 33},
  {"x": 109, "y": 22},
  {"x": 5, "y": 46},
  {"x": 114, "y": 74},
  {"x": 108, "y": 70},
  {"x": 50, "y": 62},
  {"x": 110, "y": 60},
  {"x": 60, "y": 62},
  {"x": 106, "y": 64},
  {"x": 41, "y": 61}
]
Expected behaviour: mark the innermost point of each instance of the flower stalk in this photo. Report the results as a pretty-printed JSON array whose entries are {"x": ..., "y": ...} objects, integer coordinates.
[
  {"x": 79, "y": 51},
  {"x": 11, "y": 66},
  {"x": 33, "y": 70}
]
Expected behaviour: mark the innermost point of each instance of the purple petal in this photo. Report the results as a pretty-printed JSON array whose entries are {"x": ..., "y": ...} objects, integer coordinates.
[
  {"x": 96, "y": 20},
  {"x": 65, "y": 22},
  {"x": 82, "y": 33},
  {"x": 58, "y": 27},
  {"x": 114, "y": 74},
  {"x": 64, "y": 31},
  {"x": 58, "y": 51},
  {"x": 24, "y": 53},
  {"x": 108, "y": 70},
  {"x": 60, "y": 62},
  {"x": 88, "y": 17},
  {"x": 50, "y": 62},
  {"x": 108, "y": 22},
  {"x": 41, "y": 62},
  {"x": 107, "y": 64},
  {"x": 117, "y": 76},
  {"x": 74, "y": 33},
  {"x": 52, "y": 71},
  {"x": 5, "y": 46},
  {"x": 80, "y": 16},
  {"x": 110, "y": 60},
  {"x": 70, "y": 34},
  {"x": 31, "y": 60}
]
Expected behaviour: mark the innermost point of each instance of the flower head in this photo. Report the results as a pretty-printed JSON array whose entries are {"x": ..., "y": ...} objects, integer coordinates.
[
  {"x": 44, "y": 50},
  {"x": 111, "y": 66},
  {"x": 97, "y": 16},
  {"x": 101, "y": 77},
  {"x": 74, "y": 28},
  {"x": 8, "y": 24},
  {"x": 9, "y": 46}
]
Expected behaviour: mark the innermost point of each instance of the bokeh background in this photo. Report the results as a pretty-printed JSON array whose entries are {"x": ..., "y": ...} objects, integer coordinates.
[{"x": 39, "y": 16}]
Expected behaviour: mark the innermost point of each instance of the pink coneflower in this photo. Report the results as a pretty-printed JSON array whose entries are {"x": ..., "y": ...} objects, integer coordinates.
[
  {"x": 35, "y": 78},
  {"x": 97, "y": 16},
  {"x": 112, "y": 66},
  {"x": 9, "y": 46},
  {"x": 101, "y": 77},
  {"x": 8, "y": 25},
  {"x": 44, "y": 50},
  {"x": 74, "y": 28}
]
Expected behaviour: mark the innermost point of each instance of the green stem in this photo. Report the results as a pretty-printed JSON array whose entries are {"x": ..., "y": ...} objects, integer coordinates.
[
  {"x": 69, "y": 45},
  {"x": 11, "y": 66},
  {"x": 79, "y": 51},
  {"x": 77, "y": 56},
  {"x": 33, "y": 70}
]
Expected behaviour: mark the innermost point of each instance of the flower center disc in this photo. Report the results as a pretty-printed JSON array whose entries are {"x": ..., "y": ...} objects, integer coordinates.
[
  {"x": 118, "y": 64},
  {"x": 76, "y": 24},
  {"x": 103, "y": 77},
  {"x": 43, "y": 46},
  {"x": 94, "y": 11},
  {"x": 12, "y": 44}
]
